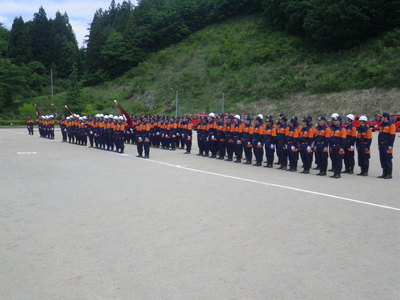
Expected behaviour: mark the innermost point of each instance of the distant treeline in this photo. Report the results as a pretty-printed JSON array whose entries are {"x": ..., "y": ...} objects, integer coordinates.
[{"x": 124, "y": 35}]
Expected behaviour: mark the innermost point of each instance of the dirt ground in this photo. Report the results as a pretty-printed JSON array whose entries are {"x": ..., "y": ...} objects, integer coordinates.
[{"x": 80, "y": 223}]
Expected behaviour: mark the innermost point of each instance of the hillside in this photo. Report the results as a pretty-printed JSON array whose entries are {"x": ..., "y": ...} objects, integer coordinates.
[{"x": 258, "y": 70}]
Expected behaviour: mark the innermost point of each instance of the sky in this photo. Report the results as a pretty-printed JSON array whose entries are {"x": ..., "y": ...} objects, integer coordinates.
[{"x": 80, "y": 12}]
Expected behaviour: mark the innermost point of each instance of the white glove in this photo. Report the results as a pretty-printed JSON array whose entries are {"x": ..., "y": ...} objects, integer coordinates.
[
  {"x": 272, "y": 146},
  {"x": 91, "y": 132},
  {"x": 140, "y": 139},
  {"x": 212, "y": 137},
  {"x": 308, "y": 148},
  {"x": 351, "y": 148},
  {"x": 293, "y": 147},
  {"x": 258, "y": 144},
  {"x": 131, "y": 130}
]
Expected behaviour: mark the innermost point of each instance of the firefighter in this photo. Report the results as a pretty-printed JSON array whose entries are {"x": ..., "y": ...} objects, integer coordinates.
[
  {"x": 281, "y": 146},
  {"x": 321, "y": 143},
  {"x": 29, "y": 125},
  {"x": 258, "y": 140},
  {"x": 247, "y": 139},
  {"x": 229, "y": 138},
  {"x": 337, "y": 143},
  {"x": 306, "y": 140},
  {"x": 221, "y": 145},
  {"x": 292, "y": 142},
  {"x": 269, "y": 138},
  {"x": 351, "y": 134},
  {"x": 363, "y": 144},
  {"x": 237, "y": 136},
  {"x": 212, "y": 141},
  {"x": 386, "y": 137}
]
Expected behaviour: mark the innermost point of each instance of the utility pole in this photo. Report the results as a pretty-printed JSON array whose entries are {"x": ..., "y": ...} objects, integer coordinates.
[
  {"x": 51, "y": 82},
  {"x": 223, "y": 103},
  {"x": 176, "y": 104}
]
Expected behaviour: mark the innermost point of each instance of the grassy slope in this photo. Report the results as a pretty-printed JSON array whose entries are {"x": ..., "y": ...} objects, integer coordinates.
[{"x": 259, "y": 71}]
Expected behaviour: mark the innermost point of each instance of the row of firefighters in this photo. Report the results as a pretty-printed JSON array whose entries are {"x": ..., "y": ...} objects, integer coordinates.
[{"x": 221, "y": 138}]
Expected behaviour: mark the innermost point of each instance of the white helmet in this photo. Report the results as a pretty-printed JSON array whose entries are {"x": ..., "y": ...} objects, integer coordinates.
[
  {"x": 110, "y": 116},
  {"x": 101, "y": 115},
  {"x": 80, "y": 118},
  {"x": 68, "y": 118},
  {"x": 212, "y": 115},
  {"x": 335, "y": 115},
  {"x": 350, "y": 116},
  {"x": 237, "y": 117},
  {"x": 260, "y": 116},
  {"x": 121, "y": 118},
  {"x": 363, "y": 118},
  {"x": 116, "y": 118},
  {"x": 84, "y": 117},
  {"x": 106, "y": 117}
]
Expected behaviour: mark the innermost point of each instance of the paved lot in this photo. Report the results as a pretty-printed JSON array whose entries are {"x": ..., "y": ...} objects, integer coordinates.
[{"x": 79, "y": 223}]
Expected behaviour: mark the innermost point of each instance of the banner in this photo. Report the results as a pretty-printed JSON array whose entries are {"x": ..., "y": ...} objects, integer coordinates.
[
  {"x": 127, "y": 116},
  {"x": 75, "y": 117},
  {"x": 38, "y": 114}
]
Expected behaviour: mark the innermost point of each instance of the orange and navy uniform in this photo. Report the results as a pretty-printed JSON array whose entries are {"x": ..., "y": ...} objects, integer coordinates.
[
  {"x": 292, "y": 141},
  {"x": 363, "y": 144},
  {"x": 337, "y": 144},
  {"x": 321, "y": 143},
  {"x": 229, "y": 139},
  {"x": 386, "y": 137},
  {"x": 306, "y": 139},
  {"x": 281, "y": 145},
  {"x": 29, "y": 126}
]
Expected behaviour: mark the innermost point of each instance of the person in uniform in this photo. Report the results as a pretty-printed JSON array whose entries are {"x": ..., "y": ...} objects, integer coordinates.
[
  {"x": 269, "y": 141},
  {"x": 29, "y": 125},
  {"x": 247, "y": 139},
  {"x": 321, "y": 144},
  {"x": 238, "y": 139},
  {"x": 363, "y": 145},
  {"x": 281, "y": 146},
  {"x": 306, "y": 140},
  {"x": 337, "y": 143},
  {"x": 351, "y": 134},
  {"x": 220, "y": 131},
  {"x": 258, "y": 140},
  {"x": 63, "y": 128},
  {"x": 292, "y": 142},
  {"x": 186, "y": 134},
  {"x": 212, "y": 141},
  {"x": 386, "y": 137},
  {"x": 229, "y": 138}
]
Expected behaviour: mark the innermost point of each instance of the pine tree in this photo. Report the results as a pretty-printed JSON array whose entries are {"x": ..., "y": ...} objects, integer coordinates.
[{"x": 19, "y": 48}]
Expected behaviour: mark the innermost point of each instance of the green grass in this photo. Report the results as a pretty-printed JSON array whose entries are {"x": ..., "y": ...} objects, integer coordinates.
[{"x": 247, "y": 62}]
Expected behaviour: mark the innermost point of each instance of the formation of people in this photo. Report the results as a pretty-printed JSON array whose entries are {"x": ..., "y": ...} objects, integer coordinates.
[
  {"x": 109, "y": 132},
  {"x": 236, "y": 140}
]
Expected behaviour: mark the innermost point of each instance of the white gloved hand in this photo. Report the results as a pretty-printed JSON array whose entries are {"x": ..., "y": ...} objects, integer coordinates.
[
  {"x": 91, "y": 132},
  {"x": 293, "y": 147},
  {"x": 212, "y": 137},
  {"x": 308, "y": 148},
  {"x": 352, "y": 148},
  {"x": 140, "y": 139},
  {"x": 258, "y": 144},
  {"x": 272, "y": 146}
]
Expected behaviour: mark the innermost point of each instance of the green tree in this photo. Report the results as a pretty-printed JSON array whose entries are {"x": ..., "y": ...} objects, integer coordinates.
[
  {"x": 4, "y": 37},
  {"x": 19, "y": 46},
  {"x": 41, "y": 38}
]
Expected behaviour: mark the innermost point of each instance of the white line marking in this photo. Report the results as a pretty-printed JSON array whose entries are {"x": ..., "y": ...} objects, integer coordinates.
[
  {"x": 269, "y": 184},
  {"x": 260, "y": 182},
  {"x": 26, "y": 153}
]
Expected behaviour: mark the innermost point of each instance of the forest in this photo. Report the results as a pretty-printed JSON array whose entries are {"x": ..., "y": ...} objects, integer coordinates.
[{"x": 124, "y": 35}]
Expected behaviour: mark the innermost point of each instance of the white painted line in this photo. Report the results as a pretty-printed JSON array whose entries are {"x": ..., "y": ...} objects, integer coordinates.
[
  {"x": 269, "y": 184},
  {"x": 26, "y": 153}
]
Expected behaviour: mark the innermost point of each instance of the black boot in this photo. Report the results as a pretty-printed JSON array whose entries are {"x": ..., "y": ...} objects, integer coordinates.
[
  {"x": 322, "y": 172},
  {"x": 384, "y": 173},
  {"x": 316, "y": 168},
  {"x": 229, "y": 159},
  {"x": 362, "y": 171},
  {"x": 238, "y": 160},
  {"x": 388, "y": 174},
  {"x": 351, "y": 170},
  {"x": 257, "y": 164},
  {"x": 365, "y": 171},
  {"x": 306, "y": 171},
  {"x": 247, "y": 162}
]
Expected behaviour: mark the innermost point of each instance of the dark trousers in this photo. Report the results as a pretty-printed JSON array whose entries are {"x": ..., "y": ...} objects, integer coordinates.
[
  {"x": 337, "y": 159},
  {"x": 385, "y": 156},
  {"x": 281, "y": 151}
]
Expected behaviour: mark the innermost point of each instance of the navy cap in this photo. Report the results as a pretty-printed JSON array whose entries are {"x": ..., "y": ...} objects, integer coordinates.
[
  {"x": 322, "y": 118},
  {"x": 386, "y": 115}
]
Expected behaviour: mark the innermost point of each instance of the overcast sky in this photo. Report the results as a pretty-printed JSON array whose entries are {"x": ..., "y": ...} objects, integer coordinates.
[{"x": 80, "y": 12}]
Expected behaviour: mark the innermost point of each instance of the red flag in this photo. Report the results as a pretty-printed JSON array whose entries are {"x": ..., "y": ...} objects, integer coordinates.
[
  {"x": 127, "y": 116},
  {"x": 75, "y": 117},
  {"x": 38, "y": 114}
]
